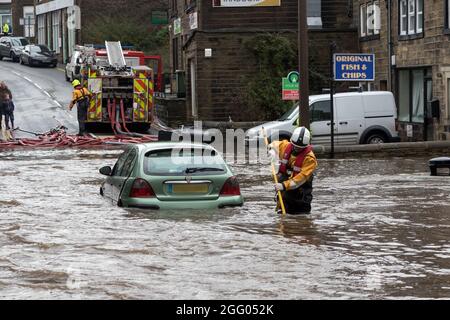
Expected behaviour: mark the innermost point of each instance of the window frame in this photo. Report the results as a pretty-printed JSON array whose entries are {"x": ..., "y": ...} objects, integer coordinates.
[
  {"x": 426, "y": 76},
  {"x": 367, "y": 32},
  {"x": 447, "y": 16},
  {"x": 414, "y": 18}
]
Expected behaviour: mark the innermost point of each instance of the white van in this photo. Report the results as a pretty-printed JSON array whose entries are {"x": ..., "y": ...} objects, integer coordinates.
[{"x": 360, "y": 118}]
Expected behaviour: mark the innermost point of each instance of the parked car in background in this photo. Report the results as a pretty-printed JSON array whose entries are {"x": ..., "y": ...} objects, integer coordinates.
[
  {"x": 38, "y": 55},
  {"x": 360, "y": 118},
  {"x": 12, "y": 47},
  {"x": 171, "y": 175}
]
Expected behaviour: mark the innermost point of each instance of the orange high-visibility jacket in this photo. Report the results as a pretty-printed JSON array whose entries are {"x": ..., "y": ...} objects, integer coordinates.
[
  {"x": 308, "y": 167},
  {"x": 80, "y": 94}
]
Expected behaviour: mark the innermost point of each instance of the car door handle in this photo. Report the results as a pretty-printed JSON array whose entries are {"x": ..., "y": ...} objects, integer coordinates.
[
  {"x": 341, "y": 123},
  {"x": 329, "y": 124}
]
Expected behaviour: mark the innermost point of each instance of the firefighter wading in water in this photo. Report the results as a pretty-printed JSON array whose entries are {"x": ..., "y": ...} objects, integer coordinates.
[
  {"x": 296, "y": 172},
  {"x": 80, "y": 97}
]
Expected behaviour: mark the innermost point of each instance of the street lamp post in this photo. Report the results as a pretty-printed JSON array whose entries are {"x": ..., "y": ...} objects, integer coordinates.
[{"x": 303, "y": 53}]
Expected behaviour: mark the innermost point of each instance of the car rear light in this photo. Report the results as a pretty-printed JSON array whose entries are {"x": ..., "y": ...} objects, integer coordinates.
[
  {"x": 231, "y": 188},
  {"x": 141, "y": 189}
]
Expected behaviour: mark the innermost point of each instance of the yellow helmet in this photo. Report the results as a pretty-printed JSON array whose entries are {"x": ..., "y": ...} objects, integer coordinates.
[{"x": 76, "y": 83}]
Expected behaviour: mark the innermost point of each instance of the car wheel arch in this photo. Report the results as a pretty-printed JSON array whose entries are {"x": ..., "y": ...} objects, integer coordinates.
[{"x": 373, "y": 130}]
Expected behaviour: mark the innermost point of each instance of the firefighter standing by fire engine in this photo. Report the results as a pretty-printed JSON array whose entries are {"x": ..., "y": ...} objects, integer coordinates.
[
  {"x": 80, "y": 97},
  {"x": 296, "y": 172}
]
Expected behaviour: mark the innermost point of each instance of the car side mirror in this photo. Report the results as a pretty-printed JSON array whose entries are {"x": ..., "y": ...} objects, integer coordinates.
[{"x": 106, "y": 171}]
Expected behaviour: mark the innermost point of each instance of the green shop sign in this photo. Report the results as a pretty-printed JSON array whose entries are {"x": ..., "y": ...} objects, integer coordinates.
[{"x": 160, "y": 17}]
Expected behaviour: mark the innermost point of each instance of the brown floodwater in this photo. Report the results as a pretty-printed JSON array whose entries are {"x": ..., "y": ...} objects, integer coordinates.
[{"x": 380, "y": 229}]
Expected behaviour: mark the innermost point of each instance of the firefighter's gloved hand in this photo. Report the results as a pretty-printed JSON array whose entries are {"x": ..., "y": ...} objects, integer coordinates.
[{"x": 279, "y": 187}]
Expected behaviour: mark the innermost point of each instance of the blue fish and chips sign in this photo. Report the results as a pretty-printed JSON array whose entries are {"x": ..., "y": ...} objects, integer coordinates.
[{"x": 354, "y": 67}]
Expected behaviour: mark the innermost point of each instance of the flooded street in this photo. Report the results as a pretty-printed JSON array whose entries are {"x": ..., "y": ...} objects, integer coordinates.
[{"x": 379, "y": 229}]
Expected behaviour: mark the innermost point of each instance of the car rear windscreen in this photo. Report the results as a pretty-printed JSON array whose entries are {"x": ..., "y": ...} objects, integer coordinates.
[{"x": 183, "y": 161}]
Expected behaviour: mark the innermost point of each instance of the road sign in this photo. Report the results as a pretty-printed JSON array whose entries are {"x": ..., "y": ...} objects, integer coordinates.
[
  {"x": 291, "y": 86},
  {"x": 354, "y": 67}
]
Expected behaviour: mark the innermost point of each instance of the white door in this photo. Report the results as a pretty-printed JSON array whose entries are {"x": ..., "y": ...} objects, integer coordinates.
[
  {"x": 321, "y": 123},
  {"x": 350, "y": 120},
  {"x": 193, "y": 89}
]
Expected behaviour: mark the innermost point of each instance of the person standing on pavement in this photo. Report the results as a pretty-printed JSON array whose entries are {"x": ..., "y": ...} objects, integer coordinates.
[
  {"x": 5, "y": 29},
  {"x": 5, "y": 100},
  {"x": 296, "y": 173},
  {"x": 80, "y": 97}
]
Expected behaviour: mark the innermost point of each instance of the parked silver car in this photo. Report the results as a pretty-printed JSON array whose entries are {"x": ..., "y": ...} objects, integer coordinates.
[{"x": 12, "y": 47}]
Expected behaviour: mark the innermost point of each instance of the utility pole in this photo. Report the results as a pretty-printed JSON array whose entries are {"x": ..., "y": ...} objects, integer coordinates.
[
  {"x": 332, "y": 52},
  {"x": 303, "y": 59}
]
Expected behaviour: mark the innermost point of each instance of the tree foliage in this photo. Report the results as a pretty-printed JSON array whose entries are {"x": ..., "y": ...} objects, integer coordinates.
[{"x": 276, "y": 55}]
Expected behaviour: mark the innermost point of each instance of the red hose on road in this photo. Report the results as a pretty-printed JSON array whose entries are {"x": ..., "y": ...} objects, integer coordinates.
[
  {"x": 122, "y": 111},
  {"x": 58, "y": 138}
]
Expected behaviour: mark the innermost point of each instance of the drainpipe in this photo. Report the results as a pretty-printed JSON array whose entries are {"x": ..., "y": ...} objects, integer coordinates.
[{"x": 389, "y": 42}]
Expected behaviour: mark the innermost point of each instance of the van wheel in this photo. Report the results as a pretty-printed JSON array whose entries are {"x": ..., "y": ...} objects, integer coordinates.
[{"x": 376, "y": 138}]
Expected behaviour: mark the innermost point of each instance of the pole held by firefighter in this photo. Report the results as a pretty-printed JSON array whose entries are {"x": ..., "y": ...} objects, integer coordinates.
[{"x": 303, "y": 53}]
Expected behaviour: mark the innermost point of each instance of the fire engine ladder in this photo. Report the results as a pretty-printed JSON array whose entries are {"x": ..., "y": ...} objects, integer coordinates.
[{"x": 115, "y": 54}]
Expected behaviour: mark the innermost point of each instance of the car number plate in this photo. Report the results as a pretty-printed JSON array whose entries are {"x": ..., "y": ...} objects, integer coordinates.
[{"x": 189, "y": 188}]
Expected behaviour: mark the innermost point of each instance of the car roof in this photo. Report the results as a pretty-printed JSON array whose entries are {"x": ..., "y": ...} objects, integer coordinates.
[{"x": 152, "y": 146}]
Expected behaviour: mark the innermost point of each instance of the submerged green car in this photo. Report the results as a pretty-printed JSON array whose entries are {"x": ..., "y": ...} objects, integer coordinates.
[{"x": 171, "y": 176}]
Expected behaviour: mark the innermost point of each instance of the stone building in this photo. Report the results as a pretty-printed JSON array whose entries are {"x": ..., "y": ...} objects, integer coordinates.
[
  {"x": 209, "y": 58},
  {"x": 6, "y": 13},
  {"x": 411, "y": 41},
  {"x": 62, "y": 24},
  {"x": 23, "y": 18}
]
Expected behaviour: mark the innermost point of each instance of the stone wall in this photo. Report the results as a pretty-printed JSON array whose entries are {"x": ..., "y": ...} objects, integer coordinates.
[{"x": 429, "y": 49}]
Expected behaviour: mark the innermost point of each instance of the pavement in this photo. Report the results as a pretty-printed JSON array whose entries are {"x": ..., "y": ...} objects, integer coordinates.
[
  {"x": 41, "y": 96},
  {"x": 400, "y": 149}
]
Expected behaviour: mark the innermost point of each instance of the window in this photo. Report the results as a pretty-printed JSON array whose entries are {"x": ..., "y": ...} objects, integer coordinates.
[
  {"x": 128, "y": 165},
  {"x": 410, "y": 17},
  {"x": 178, "y": 162},
  {"x": 370, "y": 19},
  {"x": 447, "y": 14},
  {"x": 403, "y": 17},
  {"x": 363, "y": 19},
  {"x": 411, "y": 95},
  {"x": 56, "y": 33},
  {"x": 41, "y": 29},
  {"x": 120, "y": 163},
  {"x": 28, "y": 16},
  {"x": 49, "y": 30},
  {"x": 321, "y": 111}
]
